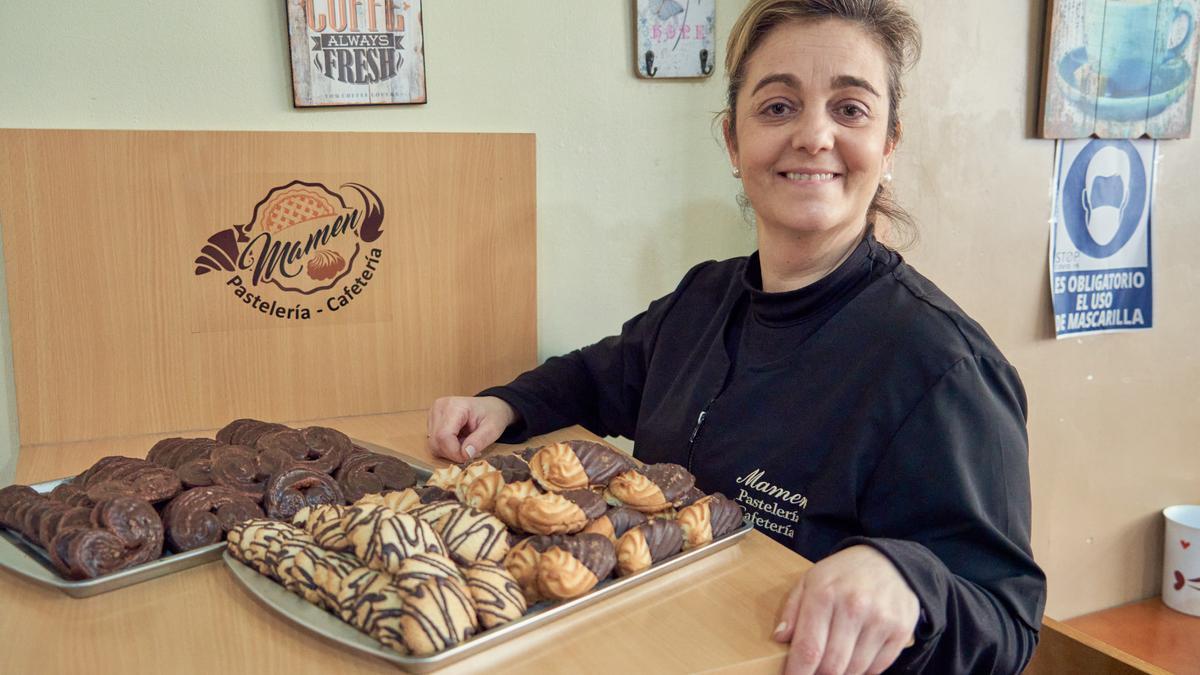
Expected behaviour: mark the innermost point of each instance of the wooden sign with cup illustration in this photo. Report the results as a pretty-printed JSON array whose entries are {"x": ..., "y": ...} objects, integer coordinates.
[{"x": 1119, "y": 68}]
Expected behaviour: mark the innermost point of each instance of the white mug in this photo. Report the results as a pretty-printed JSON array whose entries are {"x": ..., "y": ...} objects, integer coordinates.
[{"x": 1181, "y": 559}]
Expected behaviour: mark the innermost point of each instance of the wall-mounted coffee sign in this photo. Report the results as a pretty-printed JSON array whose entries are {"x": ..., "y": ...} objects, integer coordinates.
[{"x": 356, "y": 52}]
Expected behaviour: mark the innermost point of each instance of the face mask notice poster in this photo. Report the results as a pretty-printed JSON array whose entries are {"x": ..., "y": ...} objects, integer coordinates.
[{"x": 1101, "y": 276}]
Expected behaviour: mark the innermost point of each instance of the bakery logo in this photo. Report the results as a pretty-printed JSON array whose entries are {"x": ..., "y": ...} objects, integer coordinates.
[
  {"x": 306, "y": 250},
  {"x": 768, "y": 506}
]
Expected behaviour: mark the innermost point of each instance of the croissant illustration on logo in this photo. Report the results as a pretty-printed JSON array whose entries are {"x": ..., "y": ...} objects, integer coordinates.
[{"x": 303, "y": 238}]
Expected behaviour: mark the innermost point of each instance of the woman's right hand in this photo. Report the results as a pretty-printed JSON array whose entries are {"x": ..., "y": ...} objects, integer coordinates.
[{"x": 459, "y": 427}]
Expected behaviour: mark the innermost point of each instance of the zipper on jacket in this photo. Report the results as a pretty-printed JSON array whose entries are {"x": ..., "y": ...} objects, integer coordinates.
[{"x": 696, "y": 430}]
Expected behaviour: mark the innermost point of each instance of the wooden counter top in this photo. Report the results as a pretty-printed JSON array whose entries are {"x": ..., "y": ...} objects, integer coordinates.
[
  {"x": 1150, "y": 631},
  {"x": 716, "y": 615}
]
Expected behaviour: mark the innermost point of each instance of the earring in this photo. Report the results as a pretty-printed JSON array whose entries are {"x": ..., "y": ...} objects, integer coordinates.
[
  {"x": 887, "y": 177},
  {"x": 737, "y": 173}
]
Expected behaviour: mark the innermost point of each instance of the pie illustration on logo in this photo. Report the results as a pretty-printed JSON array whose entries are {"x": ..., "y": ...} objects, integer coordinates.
[{"x": 302, "y": 239}]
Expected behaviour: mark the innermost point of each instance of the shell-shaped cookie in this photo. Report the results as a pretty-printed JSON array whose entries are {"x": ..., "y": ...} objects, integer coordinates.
[
  {"x": 445, "y": 477},
  {"x": 436, "y": 615},
  {"x": 498, "y": 597},
  {"x": 556, "y": 468},
  {"x": 510, "y": 498},
  {"x": 472, "y": 535}
]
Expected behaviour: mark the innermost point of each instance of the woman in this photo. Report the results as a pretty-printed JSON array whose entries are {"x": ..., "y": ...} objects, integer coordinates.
[{"x": 855, "y": 412}]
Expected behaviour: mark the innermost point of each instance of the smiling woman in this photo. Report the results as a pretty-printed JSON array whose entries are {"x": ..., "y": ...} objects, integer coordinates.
[{"x": 822, "y": 366}]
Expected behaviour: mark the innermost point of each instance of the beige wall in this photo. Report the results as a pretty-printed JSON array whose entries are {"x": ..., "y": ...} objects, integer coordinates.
[{"x": 633, "y": 189}]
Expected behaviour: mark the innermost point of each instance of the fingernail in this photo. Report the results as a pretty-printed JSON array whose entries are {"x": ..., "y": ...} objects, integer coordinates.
[
  {"x": 470, "y": 449},
  {"x": 781, "y": 628}
]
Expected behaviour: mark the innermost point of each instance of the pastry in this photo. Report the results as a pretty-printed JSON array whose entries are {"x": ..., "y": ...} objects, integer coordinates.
[
  {"x": 479, "y": 484},
  {"x": 574, "y": 465},
  {"x": 471, "y": 535},
  {"x": 436, "y": 615},
  {"x": 445, "y": 478},
  {"x": 296, "y": 567},
  {"x": 653, "y": 488},
  {"x": 709, "y": 518},
  {"x": 10, "y": 497},
  {"x": 382, "y": 538},
  {"x": 319, "y": 449},
  {"x": 67, "y": 493},
  {"x": 646, "y": 544},
  {"x": 246, "y": 431},
  {"x": 292, "y": 489},
  {"x": 129, "y": 477},
  {"x": 616, "y": 522},
  {"x": 87, "y": 553},
  {"x": 574, "y": 565},
  {"x": 509, "y": 500},
  {"x": 62, "y": 518},
  {"x": 327, "y": 525},
  {"x": 367, "y": 472},
  {"x": 135, "y": 523},
  {"x": 331, "y": 569},
  {"x": 202, "y": 515},
  {"x": 436, "y": 513},
  {"x": 559, "y": 513},
  {"x": 523, "y": 559},
  {"x": 497, "y": 596},
  {"x": 257, "y": 542},
  {"x": 361, "y": 589},
  {"x": 418, "y": 568},
  {"x": 401, "y": 502},
  {"x": 240, "y": 468},
  {"x": 513, "y": 468}
]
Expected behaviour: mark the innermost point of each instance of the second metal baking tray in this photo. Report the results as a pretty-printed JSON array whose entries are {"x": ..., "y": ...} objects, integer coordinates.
[{"x": 25, "y": 558}]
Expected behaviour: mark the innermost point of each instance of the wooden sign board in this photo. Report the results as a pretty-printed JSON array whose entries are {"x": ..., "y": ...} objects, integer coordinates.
[
  {"x": 165, "y": 281},
  {"x": 1119, "y": 68},
  {"x": 356, "y": 52}
]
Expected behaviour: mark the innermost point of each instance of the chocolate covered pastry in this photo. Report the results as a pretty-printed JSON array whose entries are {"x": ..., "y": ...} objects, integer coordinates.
[
  {"x": 10, "y": 496},
  {"x": 136, "y": 524},
  {"x": 560, "y": 513},
  {"x": 436, "y": 615},
  {"x": 574, "y": 465},
  {"x": 615, "y": 522},
  {"x": 401, "y": 502},
  {"x": 30, "y": 512},
  {"x": 331, "y": 569},
  {"x": 361, "y": 589},
  {"x": 62, "y": 518},
  {"x": 202, "y": 515},
  {"x": 509, "y": 499},
  {"x": 129, "y": 477},
  {"x": 709, "y": 518},
  {"x": 189, "y": 457},
  {"x": 445, "y": 478},
  {"x": 471, "y": 535},
  {"x": 432, "y": 493},
  {"x": 70, "y": 494},
  {"x": 292, "y": 489},
  {"x": 653, "y": 488},
  {"x": 574, "y": 565},
  {"x": 240, "y": 468},
  {"x": 522, "y": 563},
  {"x": 497, "y": 596},
  {"x": 382, "y": 538},
  {"x": 319, "y": 449},
  {"x": 364, "y": 473},
  {"x": 123, "y": 532},
  {"x": 646, "y": 544},
  {"x": 246, "y": 431},
  {"x": 513, "y": 468}
]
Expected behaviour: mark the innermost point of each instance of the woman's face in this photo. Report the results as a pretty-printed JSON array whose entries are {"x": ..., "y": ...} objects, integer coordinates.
[{"x": 812, "y": 120}]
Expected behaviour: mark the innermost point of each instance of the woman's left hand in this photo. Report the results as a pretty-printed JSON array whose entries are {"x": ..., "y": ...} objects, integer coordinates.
[{"x": 850, "y": 613}]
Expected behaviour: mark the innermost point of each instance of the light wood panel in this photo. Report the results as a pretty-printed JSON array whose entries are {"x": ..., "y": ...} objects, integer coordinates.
[
  {"x": 716, "y": 613},
  {"x": 114, "y": 334},
  {"x": 1148, "y": 630}
]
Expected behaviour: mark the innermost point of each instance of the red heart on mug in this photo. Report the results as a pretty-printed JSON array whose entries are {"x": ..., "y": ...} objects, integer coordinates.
[
  {"x": 1185, "y": 544},
  {"x": 1178, "y": 580}
]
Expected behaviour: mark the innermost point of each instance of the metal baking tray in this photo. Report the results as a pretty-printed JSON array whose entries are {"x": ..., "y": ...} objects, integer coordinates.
[
  {"x": 328, "y": 626},
  {"x": 25, "y": 558}
]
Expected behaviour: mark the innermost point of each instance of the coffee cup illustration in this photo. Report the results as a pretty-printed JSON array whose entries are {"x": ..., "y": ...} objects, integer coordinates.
[{"x": 1125, "y": 40}]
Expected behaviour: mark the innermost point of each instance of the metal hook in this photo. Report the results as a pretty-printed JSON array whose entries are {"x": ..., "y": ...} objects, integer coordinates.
[
  {"x": 650, "y": 69},
  {"x": 705, "y": 66}
]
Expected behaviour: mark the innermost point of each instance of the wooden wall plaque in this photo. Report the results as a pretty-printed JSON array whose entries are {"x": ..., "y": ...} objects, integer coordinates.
[{"x": 132, "y": 257}]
